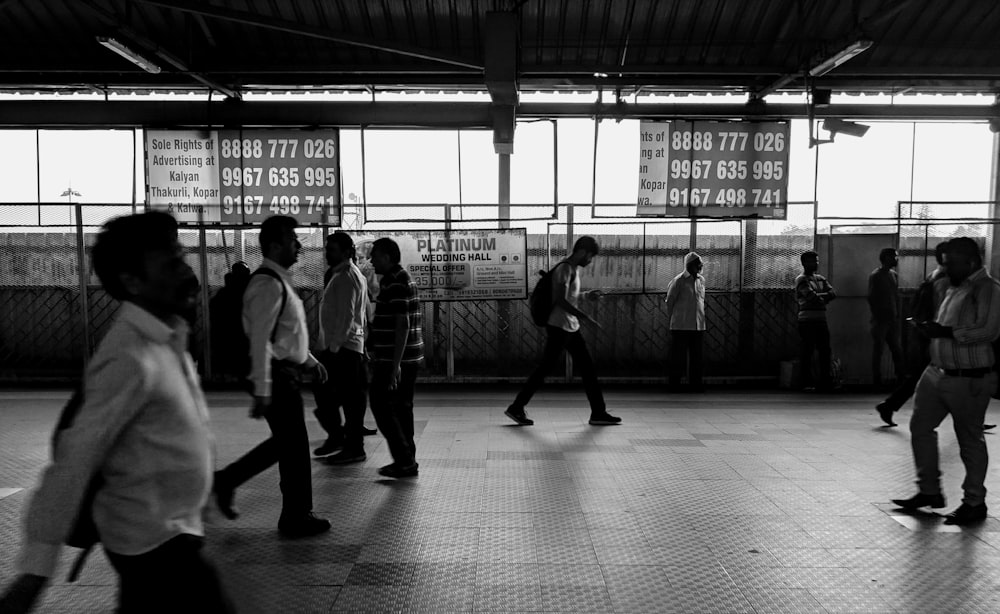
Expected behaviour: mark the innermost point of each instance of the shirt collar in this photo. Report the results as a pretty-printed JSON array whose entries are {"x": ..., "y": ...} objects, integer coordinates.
[
  {"x": 280, "y": 270},
  {"x": 343, "y": 266},
  {"x": 976, "y": 276},
  {"x": 174, "y": 334},
  {"x": 687, "y": 274}
]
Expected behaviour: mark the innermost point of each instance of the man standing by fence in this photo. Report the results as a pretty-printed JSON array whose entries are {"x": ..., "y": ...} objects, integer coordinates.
[
  {"x": 343, "y": 318},
  {"x": 813, "y": 292},
  {"x": 686, "y": 315},
  {"x": 562, "y": 332},
  {"x": 883, "y": 300},
  {"x": 397, "y": 348}
]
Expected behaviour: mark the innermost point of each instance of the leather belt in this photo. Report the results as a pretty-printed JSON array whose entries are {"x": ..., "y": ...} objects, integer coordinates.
[{"x": 977, "y": 372}]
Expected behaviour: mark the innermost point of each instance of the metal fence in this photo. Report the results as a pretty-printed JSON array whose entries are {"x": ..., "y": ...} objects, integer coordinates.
[{"x": 46, "y": 329}]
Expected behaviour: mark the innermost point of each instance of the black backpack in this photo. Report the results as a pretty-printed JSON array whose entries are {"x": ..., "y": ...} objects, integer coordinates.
[
  {"x": 540, "y": 302},
  {"x": 83, "y": 534}
]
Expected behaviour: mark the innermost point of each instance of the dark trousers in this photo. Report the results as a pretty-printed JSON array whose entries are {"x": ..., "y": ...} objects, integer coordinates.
[
  {"x": 919, "y": 357},
  {"x": 686, "y": 356},
  {"x": 815, "y": 339},
  {"x": 288, "y": 445},
  {"x": 886, "y": 332},
  {"x": 556, "y": 341},
  {"x": 393, "y": 410},
  {"x": 347, "y": 387},
  {"x": 174, "y": 577}
]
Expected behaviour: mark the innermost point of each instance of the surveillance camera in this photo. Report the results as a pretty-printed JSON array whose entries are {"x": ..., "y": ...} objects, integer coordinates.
[{"x": 839, "y": 126}]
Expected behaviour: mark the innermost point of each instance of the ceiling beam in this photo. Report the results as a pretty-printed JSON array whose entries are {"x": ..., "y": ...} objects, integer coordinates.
[
  {"x": 293, "y": 27},
  {"x": 199, "y": 114}
]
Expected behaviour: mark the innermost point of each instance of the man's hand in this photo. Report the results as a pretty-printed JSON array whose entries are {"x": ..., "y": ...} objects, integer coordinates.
[
  {"x": 934, "y": 330},
  {"x": 260, "y": 407},
  {"x": 22, "y": 594},
  {"x": 593, "y": 295},
  {"x": 397, "y": 374},
  {"x": 321, "y": 373}
]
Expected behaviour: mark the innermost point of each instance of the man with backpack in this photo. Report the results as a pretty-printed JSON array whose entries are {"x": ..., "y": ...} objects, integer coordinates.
[
  {"x": 142, "y": 430},
  {"x": 562, "y": 332},
  {"x": 275, "y": 321}
]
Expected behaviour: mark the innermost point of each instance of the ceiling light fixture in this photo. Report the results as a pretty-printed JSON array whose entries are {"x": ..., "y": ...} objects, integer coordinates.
[
  {"x": 835, "y": 60},
  {"x": 130, "y": 55}
]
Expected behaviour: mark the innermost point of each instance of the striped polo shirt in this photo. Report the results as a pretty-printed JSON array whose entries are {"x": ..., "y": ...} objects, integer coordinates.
[
  {"x": 972, "y": 309},
  {"x": 397, "y": 295}
]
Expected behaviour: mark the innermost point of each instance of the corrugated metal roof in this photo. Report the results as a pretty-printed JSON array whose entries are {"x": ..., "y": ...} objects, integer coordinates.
[{"x": 658, "y": 45}]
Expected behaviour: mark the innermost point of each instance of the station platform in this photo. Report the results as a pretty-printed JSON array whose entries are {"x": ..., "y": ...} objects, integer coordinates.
[{"x": 730, "y": 501}]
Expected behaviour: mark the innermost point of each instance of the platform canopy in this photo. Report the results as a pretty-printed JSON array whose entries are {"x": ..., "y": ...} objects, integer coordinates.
[{"x": 750, "y": 46}]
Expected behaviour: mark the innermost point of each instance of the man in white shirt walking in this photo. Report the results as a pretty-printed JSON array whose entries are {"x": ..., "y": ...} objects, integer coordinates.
[
  {"x": 144, "y": 429},
  {"x": 342, "y": 323},
  {"x": 275, "y": 321},
  {"x": 686, "y": 315},
  {"x": 959, "y": 382},
  {"x": 562, "y": 332}
]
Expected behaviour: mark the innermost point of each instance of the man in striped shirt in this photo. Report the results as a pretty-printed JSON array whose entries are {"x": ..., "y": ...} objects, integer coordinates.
[
  {"x": 397, "y": 349},
  {"x": 959, "y": 381},
  {"x": 813, "y": 292}
]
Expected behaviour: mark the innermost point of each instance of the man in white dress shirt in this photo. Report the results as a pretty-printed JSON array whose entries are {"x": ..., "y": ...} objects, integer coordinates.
[
  {"x": 686, "y": 316},
  {"x": 275, "y": 321},
  {"x": 143, "y": 428}
]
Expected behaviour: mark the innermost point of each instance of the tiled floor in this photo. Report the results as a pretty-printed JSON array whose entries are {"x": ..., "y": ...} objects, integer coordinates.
[{"x": 725, "y": 502}]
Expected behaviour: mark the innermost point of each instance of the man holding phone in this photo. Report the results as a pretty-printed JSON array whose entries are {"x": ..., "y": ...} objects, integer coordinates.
[{"x": 959, "y": 381}]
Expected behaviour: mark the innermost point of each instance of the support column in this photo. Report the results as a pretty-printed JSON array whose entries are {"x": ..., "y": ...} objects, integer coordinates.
[
  {"x": 504, "y": 307},
  {"x": 83, "y": 273},
  {"x": 993, "y": 237}
]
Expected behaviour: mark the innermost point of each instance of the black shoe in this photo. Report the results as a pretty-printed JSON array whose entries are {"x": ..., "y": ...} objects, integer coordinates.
[
  {"x": 920, "y": 500},
  {"x": 345, "y": 457},
  {"x": 303, "y": 526},
  {"x": 885, "y": 412},
  {"x": 517, "y": 415},
  {"x": 987, "y": 427},
  {"x": 395, "y": 471},
  {"x": 967, "y": 514},
  {"x": 224, "y": 499},
  {"x": 604, "y": 419},
  {"x": 329, "y": 447},
  {"x": 367, "y": 432}
]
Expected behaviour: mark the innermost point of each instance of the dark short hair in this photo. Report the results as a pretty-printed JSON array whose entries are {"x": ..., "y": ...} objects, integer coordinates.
[
  {"x": 342, "y": 240},
  {"x": 387, "y": 246},
  {"x": 587, "y": 244},
  {"x": 273, "y": 229},
  {"x": 967, "y": 247},
  {"x": 122, "y": 246},
  {"x": 885, "y": 253},
  {"x": 940, "y": 250},
  {"x": 810, "y": 255}
]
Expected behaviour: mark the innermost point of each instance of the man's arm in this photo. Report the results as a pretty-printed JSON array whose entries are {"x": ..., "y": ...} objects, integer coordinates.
[
  {"x": 986, "y": 327},
  {"x": 114, "y": 392},
  {"x": 673, "y": 289},
  {"x": 261, "y": 307},
  {"x": 560, "y": 290}
]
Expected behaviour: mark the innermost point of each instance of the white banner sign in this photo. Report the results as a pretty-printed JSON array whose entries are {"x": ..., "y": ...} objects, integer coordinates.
[
  {"x": 182, "y": 172},
  {"x": 460, "y": 264}
]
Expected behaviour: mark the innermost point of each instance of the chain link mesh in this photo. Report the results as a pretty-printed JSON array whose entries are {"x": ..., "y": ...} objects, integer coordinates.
[{"x": 749, "y": 267}]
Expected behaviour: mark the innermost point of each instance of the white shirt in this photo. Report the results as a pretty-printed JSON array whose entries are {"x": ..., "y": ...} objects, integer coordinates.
[
  {"x": 686, "y": 302},
  {"x": 144, "y": 428},
  {"x": 565, "y": 273},
  {"x": 343, "y": 310},
  {"x": 261, "y": 308}
]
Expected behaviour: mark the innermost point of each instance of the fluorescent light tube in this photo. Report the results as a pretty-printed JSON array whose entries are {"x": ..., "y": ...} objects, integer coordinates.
[{"x": 140, "y": 61}]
